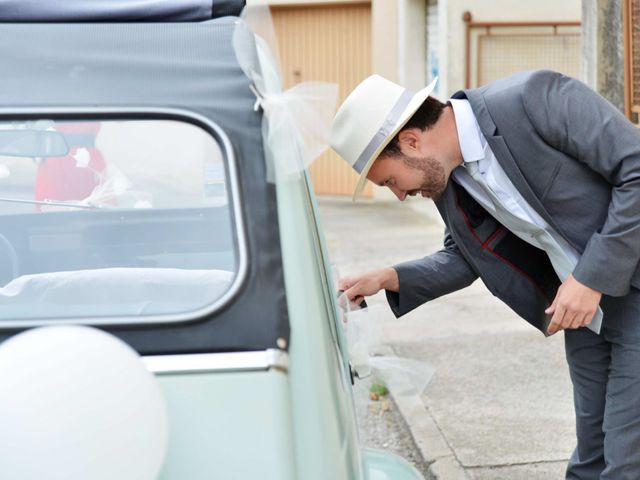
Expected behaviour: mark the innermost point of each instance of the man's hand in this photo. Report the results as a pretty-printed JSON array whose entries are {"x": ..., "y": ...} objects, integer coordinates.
[
  {"x": 574, "y": 306},
  {"x": 357, "y": 287}
]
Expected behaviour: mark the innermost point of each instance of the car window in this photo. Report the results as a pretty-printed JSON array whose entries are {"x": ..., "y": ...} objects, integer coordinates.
[{"x": 126, "y": 219}]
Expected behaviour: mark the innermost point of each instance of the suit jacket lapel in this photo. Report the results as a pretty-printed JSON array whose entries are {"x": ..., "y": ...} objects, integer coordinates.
[{"x": 503, "y": 154}]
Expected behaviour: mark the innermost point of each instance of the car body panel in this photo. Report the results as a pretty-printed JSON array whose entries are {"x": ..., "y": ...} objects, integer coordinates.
[
  {"x": 381, "y": 465},
  {"x": 318, "y": 336},
  {"x": 228, "y": 425},
  {"x": 320, "y": 387}
]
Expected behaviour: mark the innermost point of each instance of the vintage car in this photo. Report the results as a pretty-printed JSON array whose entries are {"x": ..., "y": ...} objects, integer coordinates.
[{"x": 135, "y": 199}]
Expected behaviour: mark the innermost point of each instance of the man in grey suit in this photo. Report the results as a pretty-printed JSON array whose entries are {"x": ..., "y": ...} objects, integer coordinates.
[{"x": 537, "y": 179}]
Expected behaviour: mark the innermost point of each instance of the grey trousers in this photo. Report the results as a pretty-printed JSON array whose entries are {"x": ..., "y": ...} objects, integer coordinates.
[{"x": 605, "y": 371}]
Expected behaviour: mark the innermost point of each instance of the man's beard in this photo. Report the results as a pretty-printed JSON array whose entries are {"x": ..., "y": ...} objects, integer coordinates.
[{"x": 434, "y": 180}]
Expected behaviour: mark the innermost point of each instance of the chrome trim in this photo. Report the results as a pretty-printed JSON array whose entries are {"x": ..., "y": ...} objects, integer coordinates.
[
  {"x": 177, "y": 114},
  {"x": 217, "y": 362}
]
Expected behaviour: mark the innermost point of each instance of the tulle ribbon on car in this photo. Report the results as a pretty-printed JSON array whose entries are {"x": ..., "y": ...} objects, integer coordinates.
[
  {"x": 367, "y": 354},
  {"x": 297, "y": 121}
]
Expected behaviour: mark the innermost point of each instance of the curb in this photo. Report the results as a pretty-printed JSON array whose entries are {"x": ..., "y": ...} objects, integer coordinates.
[{"x": 435, "y": 451}]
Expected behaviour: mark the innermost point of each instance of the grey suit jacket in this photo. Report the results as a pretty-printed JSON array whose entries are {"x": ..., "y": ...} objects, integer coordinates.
[{"x": 576, "y": 160}]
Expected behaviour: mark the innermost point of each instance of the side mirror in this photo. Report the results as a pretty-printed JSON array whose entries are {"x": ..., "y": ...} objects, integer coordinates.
[{"x": 32, "y": 143}]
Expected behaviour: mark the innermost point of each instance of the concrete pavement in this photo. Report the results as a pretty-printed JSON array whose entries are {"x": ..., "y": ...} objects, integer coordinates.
[{"x": 499, "y": 405}]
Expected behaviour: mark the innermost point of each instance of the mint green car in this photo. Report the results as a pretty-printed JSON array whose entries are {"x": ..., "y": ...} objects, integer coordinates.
[{"x": 136, "y": 199}]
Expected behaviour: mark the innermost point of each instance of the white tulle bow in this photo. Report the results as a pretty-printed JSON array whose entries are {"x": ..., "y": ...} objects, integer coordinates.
[{"x": 297, "y": 121}]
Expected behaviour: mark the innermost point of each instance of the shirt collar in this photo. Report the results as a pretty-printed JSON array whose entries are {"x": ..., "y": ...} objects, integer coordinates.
[{"x": 468, "y": 131}]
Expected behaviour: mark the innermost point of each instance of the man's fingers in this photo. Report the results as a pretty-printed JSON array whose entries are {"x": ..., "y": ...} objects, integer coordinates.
[
  {"x": 357, "y": 287},
  {"x": 350, "y": 296},
  {"x": 556, "y": 320},
  {"x": 584, "y": 320},
  {"x": 552, "y": 307},
  {"x": 574, "y": 306},
  {"x": 579, "y": 321},
  {"x": 352, "y": 292},
  {"x": 568, "y": 319},
  {"x": 576, "y": 322}
]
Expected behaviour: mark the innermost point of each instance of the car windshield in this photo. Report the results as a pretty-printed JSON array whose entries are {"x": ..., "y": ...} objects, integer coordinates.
[{"x": 113, "y": 219}]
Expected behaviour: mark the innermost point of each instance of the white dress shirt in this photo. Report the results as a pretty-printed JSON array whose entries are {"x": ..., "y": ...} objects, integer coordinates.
[{"x": 475, "y": 148}]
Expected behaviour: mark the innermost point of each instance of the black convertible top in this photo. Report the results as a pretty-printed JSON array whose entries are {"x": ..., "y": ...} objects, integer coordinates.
[
  {"x": 117, "y": 10},
  {"x": 189, "y": 66}
]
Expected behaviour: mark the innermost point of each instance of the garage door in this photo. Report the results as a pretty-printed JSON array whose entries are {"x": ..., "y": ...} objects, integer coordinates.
[{"x": 327, "y": 43}]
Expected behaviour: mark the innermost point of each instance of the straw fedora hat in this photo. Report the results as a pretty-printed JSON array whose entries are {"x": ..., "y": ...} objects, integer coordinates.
[{"x": 368, "y": 120}]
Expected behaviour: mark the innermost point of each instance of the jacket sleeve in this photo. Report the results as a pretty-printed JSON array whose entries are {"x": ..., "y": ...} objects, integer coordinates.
[
  {"x": 428, "y": 278},
  {"x": 574, "y": 119}
]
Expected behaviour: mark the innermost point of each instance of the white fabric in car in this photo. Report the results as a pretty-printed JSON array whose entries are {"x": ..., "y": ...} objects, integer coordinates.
[{"x": 118, "y": 291}]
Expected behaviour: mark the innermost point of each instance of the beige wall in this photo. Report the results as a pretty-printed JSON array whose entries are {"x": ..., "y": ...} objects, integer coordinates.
[
  {"x": 452, "y": 28},
  {"x": 384, "y": 37},
  {"x": 398, "y": 36},
  {"x": 411, "y": 43}
]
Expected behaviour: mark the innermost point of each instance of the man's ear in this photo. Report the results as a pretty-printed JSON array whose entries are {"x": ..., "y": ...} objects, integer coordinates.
[{"x": 409, "y": 140}]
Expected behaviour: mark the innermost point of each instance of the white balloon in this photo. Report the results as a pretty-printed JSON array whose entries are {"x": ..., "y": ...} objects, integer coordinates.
[{"x": 77, "y": 403}]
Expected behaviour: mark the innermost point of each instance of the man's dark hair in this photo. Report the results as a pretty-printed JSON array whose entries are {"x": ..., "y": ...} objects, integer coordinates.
[{"x": 425, "y": 117}]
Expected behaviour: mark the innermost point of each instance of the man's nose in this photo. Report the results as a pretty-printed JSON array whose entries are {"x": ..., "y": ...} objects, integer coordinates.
[{"x": 401, "y": 194}]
